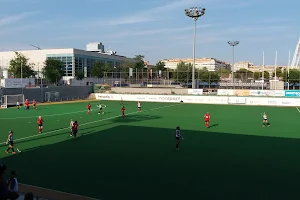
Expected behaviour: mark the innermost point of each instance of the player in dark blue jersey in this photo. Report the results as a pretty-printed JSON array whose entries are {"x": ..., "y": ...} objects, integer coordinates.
[
  {"x": 178, "y": 136},
  {"x": 10, "y": 142}
]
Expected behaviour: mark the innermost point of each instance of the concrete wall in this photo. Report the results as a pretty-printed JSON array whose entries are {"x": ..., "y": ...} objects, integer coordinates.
[
  {"x": 121, "y": 90},
  {"x": 65, "y": 92}
]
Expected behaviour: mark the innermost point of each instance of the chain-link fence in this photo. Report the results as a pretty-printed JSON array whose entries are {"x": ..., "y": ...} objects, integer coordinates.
[{"x": 207, "y": 79}]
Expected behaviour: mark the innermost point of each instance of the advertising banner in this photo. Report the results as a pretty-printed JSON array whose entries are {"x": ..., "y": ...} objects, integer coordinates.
[
  {"x": 17, "y": 82},
  {"x": 236, "y": 100},
  {"x": 242, "y": 93},
  {"x": 223, "y": 92},
  {"x": 292, "y": 93},
  {"x": 195, "y": 91},
  {"x": 268, "y": 93},
  {"x": 266, "y": 101},
  {"x": 102, "y": 96},
  {"x": 168, "y": 98}
]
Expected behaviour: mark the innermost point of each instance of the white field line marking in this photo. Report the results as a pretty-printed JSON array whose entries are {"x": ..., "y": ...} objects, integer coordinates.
[
  {"x": 100, "y": 120},
  {"x": 45, "y": 115},
  {"x": 298, "y": 109},
  {"x": 104, "y": 106}
]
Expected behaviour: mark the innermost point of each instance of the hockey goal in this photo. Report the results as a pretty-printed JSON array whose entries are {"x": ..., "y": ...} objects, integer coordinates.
[
  {"x": 12, "y": 100},
  {"x": 52, "y": 96}
]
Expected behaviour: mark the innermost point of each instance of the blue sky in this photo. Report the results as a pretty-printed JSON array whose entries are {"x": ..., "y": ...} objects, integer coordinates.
[{"x": 157, "y": 29}]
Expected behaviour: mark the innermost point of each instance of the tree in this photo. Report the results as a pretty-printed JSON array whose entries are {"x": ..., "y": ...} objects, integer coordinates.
[
  {"x": 21, "y": 63},
  {"x": 279, "y": 72},
  {"x": 258, "y": 75},
  {"x": 243, "y": 74},
  {"x": 160, "y": 65},
  {"x": 100, "y": 69},
  {"x": 294, "y": 76},
  {"x": 139, "y": 61},
  {"x": 223, "y": 72},
  {"x": 183, "y": 72},
  {"x": 79, "y": 75},
  {"x": 53, "y": 69},
  {"x": 208, "y": 76},
  {"x": 125, "y": 65}
]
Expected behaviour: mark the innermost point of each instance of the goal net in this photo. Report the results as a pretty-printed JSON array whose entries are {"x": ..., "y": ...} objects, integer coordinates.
[
  {"x": 51, "y": 96},
  {"x": 11, "y": 100}
]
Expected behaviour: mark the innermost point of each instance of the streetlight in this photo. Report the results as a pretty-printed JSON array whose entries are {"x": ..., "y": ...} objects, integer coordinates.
[
  {"x": 233, "y": 44},
  {"x": 195, "y": 13}
]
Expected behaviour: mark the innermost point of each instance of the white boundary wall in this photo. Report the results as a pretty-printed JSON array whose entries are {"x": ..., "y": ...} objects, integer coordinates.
[{"x": 223, "y": 100}]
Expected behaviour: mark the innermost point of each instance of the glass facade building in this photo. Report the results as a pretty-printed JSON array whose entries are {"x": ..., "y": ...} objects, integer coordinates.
[{"x": 83, "y": 62}]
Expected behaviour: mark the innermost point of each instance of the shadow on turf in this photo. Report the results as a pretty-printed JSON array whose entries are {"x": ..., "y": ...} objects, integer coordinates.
[
  {"x": 113, "y": 121},
  {"x": 130, "y": 162},
  {"x": 214, "y": 125}
]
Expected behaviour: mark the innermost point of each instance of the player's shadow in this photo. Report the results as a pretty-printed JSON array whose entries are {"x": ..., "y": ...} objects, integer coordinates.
[
  {"x": 135, "y": 118},
  {"x": 67, "y": 133},
  {"x": 209, "y": 165},
  {"x": 127, "y": 119},
  {"x": 213, "y": 125}
]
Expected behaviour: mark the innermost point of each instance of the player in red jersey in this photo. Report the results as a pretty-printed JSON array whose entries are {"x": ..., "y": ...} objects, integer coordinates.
[
  {"x": 75, "y": 129},
  {"x": 123, "y": 112},
  {"x": 27, "y": 104},
  {"x": 40, "y": 124},
  {"x": 34, "y": 104},
  {"x": 89, "y": 108},
  {"x": 207, "y": 119}
]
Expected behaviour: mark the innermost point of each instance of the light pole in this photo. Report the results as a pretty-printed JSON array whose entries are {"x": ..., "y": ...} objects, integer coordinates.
[
  {"x": 233, "y": 44},
  {"x": 263, "y": 72},
  {"x": 195, "y": 13}
]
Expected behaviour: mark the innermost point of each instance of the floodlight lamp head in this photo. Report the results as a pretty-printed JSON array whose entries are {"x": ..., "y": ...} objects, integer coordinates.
[{"x": 195, "y": 12}]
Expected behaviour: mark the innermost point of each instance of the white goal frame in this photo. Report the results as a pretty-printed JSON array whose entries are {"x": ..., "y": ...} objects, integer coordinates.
[
  {"x": 6, "y": 102},
  {"x": 52, "y": 96}
]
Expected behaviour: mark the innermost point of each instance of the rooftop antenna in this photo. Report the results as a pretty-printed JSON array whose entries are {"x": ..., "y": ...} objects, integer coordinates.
[{"x": 35, "y": 46}]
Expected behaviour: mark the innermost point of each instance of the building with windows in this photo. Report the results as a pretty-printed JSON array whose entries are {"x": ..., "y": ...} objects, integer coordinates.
[
  {"x": 268, "y": 68},
  {"x": 74, "y": 60},
  {"x": 242, "y": 65},
  {"x": 211, "y": 64}
]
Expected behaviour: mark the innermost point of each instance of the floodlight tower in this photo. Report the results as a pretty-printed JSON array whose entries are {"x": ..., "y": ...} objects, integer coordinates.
[
  {"x": 194, "y": 13},
  {"x": 233, "y": 44}
]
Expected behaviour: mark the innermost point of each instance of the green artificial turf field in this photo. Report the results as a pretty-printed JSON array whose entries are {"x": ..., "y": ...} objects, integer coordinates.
[{"x": 135, "y": 158}]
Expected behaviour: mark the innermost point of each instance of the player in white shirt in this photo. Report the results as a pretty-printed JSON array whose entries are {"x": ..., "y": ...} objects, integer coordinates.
[
  {"x": 18, "y": 105},
  {"x": 139, "y": 106},
  {"x": 265, "y": 120},
  {"x": 71, "y": 125},
  {"x": 100, "y": 111}
]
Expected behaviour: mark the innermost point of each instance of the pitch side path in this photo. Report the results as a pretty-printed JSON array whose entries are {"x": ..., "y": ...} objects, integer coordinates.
[{"x": 135, "y": 158}]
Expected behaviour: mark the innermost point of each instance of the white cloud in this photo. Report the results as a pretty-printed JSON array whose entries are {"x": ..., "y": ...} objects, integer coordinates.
[
  {"x": 134, "y": 33},
  {"x": 169, "y": 31},
  {"x": 14, "y": 18},
  {"x": 153, "y": 14},
  {"x": 275, "y": 20}
]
